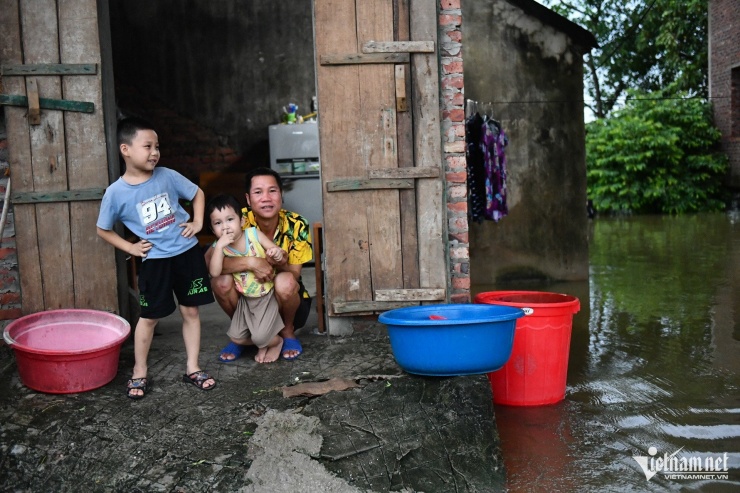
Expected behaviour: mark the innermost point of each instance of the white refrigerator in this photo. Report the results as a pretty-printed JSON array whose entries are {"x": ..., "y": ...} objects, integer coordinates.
[{"x": 294, "y": 153}]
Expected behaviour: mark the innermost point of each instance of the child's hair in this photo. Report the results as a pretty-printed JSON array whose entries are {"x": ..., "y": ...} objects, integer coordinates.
[
  {"x": 220, "y": 202},
  {"x": 128, "y": 127},
  {"x": 262, "y": 171}
]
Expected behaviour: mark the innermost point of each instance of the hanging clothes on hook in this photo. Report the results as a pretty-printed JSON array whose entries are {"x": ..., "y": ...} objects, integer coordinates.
[
  {"x": 493, "y": 143},
  {"x": 476, "y": 167},
  {"x": 486, "y": 164}
]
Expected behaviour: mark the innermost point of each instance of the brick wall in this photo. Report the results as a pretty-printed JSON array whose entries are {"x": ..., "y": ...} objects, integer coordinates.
[
  {"x": 453, "y": 138},
  {"x": 10, "y": 293},
  {"x": 724, "y": 56}
]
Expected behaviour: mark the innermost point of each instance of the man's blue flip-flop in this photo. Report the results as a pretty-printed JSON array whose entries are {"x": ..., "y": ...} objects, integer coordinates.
[
  {"x": 291, "y": 345},
  {"x": 232, "y": 348}
]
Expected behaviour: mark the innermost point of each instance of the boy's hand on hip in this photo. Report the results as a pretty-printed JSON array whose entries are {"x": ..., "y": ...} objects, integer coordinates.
[
  {"x": 140, "y": 248},
  {"x": 191, "y": 229}
]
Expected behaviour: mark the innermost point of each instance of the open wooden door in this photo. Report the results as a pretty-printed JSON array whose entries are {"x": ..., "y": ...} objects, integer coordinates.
[
  {"x": 52, "y": 95},
  {"x": 381, "y": 160}
]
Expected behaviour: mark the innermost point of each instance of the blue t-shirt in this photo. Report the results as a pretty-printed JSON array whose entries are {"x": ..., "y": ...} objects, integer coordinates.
[{"x": 151, "y": 211}]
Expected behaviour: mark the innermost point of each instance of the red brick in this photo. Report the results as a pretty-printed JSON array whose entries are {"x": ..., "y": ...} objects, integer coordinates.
[
  {"x": 461, "y": 237},
  {"x": 450, "y": 4},
  {"x": 10, "y": 314},
  {"x": 6, "y": 252},
  {"x": 456, "y": 82},
  {"x": 461, "y": 282},
  {"x": 455, "y": 163},
  {"x": 453, "y": 67},
  {"x": 460, "y": 177},
  {"x": 458, "y": 206},
  {"x": 450, "y": 20},
  {"x": 460, "y": 298},
  {"x": 10, "y": 298}
]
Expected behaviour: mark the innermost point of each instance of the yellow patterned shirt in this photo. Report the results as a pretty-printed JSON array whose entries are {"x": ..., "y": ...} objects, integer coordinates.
[{"x": 292, "y": 235}]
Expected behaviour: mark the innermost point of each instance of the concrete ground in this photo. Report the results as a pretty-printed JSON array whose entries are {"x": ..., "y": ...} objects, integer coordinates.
[{"x": 386, "y": 431}]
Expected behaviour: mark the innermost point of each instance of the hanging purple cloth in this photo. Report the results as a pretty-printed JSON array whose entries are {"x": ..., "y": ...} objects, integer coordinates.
[{"x": 493, "y": 143}]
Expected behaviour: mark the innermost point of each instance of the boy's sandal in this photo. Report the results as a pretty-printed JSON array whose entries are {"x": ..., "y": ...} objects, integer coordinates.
[
  {"x": 198, "y": 378},
  {"x": 141, "y": 384}
]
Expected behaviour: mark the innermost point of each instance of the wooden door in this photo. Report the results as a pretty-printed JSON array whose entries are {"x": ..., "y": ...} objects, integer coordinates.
[
  {"x": 52, "y": 96},
  {"x": 381, "y": 164}
]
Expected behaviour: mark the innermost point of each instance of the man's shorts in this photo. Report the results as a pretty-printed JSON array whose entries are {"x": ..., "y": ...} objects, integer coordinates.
[
  {"x": 304, "y": 309},
  {"x": 186, "y": 274}
]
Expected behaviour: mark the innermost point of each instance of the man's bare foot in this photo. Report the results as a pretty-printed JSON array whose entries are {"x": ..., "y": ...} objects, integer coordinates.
[{"x": 269, "y": 354}]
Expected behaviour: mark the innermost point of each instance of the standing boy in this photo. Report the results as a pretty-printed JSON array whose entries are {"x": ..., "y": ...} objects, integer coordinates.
[
  {"x": 257, "y": 318},
  {"x": 145, "y": 199}
]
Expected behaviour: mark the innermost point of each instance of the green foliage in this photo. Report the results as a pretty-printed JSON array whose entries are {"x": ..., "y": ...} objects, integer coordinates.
[
  {"x": 656, "y": 155},
  {"x": 648, "y": 45}
]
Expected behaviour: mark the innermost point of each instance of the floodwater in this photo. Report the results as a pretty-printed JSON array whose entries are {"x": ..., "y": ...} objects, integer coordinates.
[{"x": 654, "y": 368}]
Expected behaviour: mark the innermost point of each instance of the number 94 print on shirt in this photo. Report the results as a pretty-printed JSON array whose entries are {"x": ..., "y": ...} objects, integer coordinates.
[{"x": 156, "y": 213}]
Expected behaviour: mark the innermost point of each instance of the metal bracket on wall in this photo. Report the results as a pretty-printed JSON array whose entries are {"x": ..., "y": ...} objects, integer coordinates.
[{"x": 48, "y": 104}]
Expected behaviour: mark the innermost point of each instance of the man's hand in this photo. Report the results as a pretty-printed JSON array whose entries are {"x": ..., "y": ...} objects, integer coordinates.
[{"x": 262, "y": 269}]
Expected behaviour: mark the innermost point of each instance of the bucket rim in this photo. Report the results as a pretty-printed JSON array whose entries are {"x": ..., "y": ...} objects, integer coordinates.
[
  {"x": 560, "y": 300},
  {"x": 69, "y": 352},
  {"x": 500, "y": 314}
]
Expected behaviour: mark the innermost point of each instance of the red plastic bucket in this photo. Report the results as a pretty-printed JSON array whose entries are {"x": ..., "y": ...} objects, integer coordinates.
[
  {"x": 67, "y": 351},
  {"x": 538, "y": 368}
]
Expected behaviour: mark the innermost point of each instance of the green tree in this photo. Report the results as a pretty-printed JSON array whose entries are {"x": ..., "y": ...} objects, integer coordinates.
[
  {"x": 656, "y": 155},
  {"x": 648, "y": 45}
]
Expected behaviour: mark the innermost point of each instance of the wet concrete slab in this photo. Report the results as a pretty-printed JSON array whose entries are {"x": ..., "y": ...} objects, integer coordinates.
[{"x": 391, "y": 432}]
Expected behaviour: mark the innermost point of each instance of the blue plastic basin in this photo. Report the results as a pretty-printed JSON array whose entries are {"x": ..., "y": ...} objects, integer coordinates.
[{"x": 455, "y": 339}]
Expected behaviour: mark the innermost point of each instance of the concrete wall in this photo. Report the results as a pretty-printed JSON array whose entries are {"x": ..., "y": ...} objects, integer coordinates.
[
  {"x": 724, "y": 78},
  {"x": 533, "y": 76},
  {"x": 229, "y": 65}
]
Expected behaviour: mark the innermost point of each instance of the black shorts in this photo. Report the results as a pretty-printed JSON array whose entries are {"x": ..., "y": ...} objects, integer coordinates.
[
  {"x": 185, "y": 274},
  {"x": 304, "y": 309}
]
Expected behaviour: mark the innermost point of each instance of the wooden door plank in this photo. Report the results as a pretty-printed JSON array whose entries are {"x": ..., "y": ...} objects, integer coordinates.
[
  {"x": 346, "y": 252},
  {"x": 363, "y": 58},
  {"x": 347, "y": 184},
  {"x": 410, "y": 294},
  {"x": 93, "y": 260},
  {"x": 377, "y": 92},
  {"x": 406, "y": 173},
  {"x": 19, "y": 157},
  {"x": 431, "y": 214},
  {"x": 362, "y": 307},
  {"x": 48, "y": 158},
  {"x": 407, "y": 198},
  {"x": 398, "y": 47},
  {"x": 49, "y": 69}
]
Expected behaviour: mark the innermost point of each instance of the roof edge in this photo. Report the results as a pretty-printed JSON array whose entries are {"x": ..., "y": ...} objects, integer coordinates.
[{"x": 582, "y": 36}]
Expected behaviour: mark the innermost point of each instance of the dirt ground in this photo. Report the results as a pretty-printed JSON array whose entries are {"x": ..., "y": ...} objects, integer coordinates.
[{"x": 388, "y": 431}]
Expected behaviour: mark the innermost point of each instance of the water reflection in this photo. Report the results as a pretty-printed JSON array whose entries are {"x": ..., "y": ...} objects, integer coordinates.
[{"x": 654, "y": 362}]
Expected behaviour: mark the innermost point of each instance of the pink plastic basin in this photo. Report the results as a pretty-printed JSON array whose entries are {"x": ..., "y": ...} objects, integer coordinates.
[{"x": 67, "y": 351}]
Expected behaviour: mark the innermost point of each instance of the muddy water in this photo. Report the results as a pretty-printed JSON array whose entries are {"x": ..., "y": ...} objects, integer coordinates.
[{"x": 654, "y": 365}]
